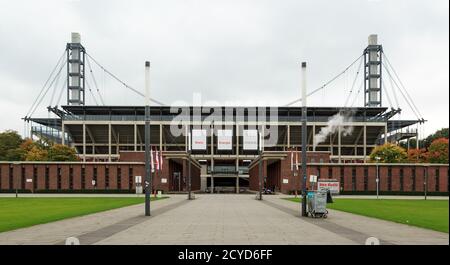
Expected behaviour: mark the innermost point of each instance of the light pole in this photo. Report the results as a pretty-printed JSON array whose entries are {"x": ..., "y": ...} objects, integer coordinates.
[
  {"x": 378, "y": 178},
  {"x": 304, "y": 138},
  {"x": 189, "y": 168},
  {"x": 148, "y": 177},
  {"x": 260, "y": 163},
  {"x": 425, "y": 184}
]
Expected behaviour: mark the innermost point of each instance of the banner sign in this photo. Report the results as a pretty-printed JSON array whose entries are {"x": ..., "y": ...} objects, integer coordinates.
[
  {"x": 250, "y": 139},
  {"x": 327, "y": 184},
  {"x": 224, "y": 139},
  {"x": 198, "y": 139}
]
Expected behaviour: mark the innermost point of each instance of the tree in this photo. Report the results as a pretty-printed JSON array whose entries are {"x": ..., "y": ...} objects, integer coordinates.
[
  {"x": 417, "y": 155},
  {"x": 59, "y": 152},
  {"x": 426, "y": 142},
  {"x": 10, "y": 142},
  {"x": 442, "y": 133},
  {"x": 388, "y": 153},
  {"x": 36, "y": 154},
  {"x": 438, "y": 151}
]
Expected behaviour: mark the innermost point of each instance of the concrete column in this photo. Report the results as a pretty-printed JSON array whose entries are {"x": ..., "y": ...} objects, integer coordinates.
[
  {"x": 289, "y": 136},
  {"x": 385, "y": 134},
  {"x": 62, "y": 133},
  {"x": 417, "y": 137},
  {"x": 109, "y": 142},
  {"x": 84, "y": 142},
  {"x": 135, "y": 137},
  {"x": 212, "y": 159},
  {"x": 237, "y": 158},
  {"x": 365, "y": 143},
  {"x": 237, "y": 176},
  {"x": 339, "y": 144},
  {"x": 160, "y": 137},
  {"x": 186, "y": 137},
  {"x": 313, "y": 133}
]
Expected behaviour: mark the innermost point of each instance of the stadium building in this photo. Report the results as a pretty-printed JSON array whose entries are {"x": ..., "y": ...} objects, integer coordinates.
[{"x": 221, "y": 148}]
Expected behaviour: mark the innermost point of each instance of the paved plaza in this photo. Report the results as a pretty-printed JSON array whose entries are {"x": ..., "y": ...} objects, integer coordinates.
[{"x": 221, "y": 219}]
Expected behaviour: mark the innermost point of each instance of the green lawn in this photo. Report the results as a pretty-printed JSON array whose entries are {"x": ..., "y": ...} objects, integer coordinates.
[
  {"x": 431, "y": 214},
  {"x": 23, "y": 212}
]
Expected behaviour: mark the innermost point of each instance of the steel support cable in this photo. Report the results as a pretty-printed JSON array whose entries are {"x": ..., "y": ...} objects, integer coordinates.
[
  {"x": 46, "y": 91},
  {"x": 90, "y": 91},
  {"x": 120, "y": 81},
  {"x": 61, "y": 92},
  {"x": 401, "y": 83},
  {"x": 395, "y": 93},
  {"x": 94, "y": 80},
  {"x": 46, "y": 82},
  {"x": 354, "y": 81},
  {"x": 359, "y": 92},
  {"x": 55, "y": 88},
  {"x": 387, "y": 94},
  {"x": 326, "y": 84},
  {"x": 406, "y": 99}
]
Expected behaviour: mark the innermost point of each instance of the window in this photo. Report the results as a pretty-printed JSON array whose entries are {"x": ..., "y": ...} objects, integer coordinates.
[
  {"x": 413, "y": 173},
  {"x": 318, "y": 172},
  {"x": 389, "y": 179},
  {"x": 353, "y": 178},
  {"x": 34, "y": 178},
  {"x": 59, "y": 178},
  {"x": 401, "y": 179},
  {"x": 130, "y": 178},
  {"x": 107, "y": 177},
  {"x": 119, "y": 178},
  {"x": 83, "y": 177},
  {"x": 437, "y": 180},
  {"x": 330, "y": 172},
  {"x": 71, "y": 178},
  {"x": 0, "y": 177},
  {"x": 342, "y": 181},
  {"x": 11, "y": 177},
  {"x": 366, "y": 179},
  {"x": 95, "y": 176},
  {"x": 47, "y": 178},
  {"x": 22, "y": 176}
]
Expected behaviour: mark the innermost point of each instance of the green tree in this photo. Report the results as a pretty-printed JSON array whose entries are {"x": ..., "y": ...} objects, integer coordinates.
[
  {"x": 388, "y": 153},
  {"x": 10, "y": 142},
  {"x": 438, "y": 151},
  {"x": 59, "y": 152},
  {"x": 36, "y": 154},
  {"x": 417, "y": 155},
  {"x": 442, "y": 133}
]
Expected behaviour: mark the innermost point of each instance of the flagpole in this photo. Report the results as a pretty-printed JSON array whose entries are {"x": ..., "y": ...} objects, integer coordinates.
[{"x": 148, "y": 177}]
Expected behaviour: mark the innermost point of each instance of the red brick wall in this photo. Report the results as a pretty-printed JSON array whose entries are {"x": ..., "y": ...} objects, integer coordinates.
[
  {"x": 275, "y": 173},
  {"x": 295, "y": 182}
]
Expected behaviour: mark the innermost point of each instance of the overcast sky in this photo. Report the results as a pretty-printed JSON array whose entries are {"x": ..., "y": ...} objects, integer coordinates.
[{"x": 231, "y": 52}]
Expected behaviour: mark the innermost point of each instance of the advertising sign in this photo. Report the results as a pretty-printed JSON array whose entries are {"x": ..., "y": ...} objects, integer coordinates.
[
  {"x": 138, "y": 179},
  {"x": 224, "y": 139},
  {"x": 198, "y": 139},
  {"x": 327, "y": 184},
  {"x": 250, "y": 139}
]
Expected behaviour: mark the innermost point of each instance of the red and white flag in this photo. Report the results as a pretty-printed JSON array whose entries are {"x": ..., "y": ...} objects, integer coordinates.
[
  {"x": 151, "y": 161},
  {"x": 292, "y": 160},
  {"x": 160, "y": 159},
  {"x": 157, "y": 159}
]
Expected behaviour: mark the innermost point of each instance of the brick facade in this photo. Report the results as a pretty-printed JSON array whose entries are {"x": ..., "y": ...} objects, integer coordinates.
[
  {"x": 77, "y": 176},
  {"x": 357, "y": 177}
]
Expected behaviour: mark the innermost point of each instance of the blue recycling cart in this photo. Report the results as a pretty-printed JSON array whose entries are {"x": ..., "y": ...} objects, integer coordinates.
[{"x": 317, "y": 204}]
